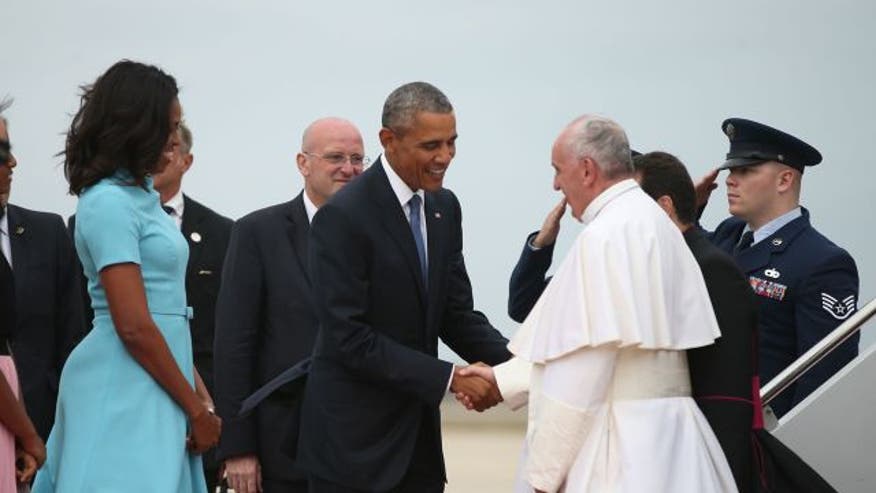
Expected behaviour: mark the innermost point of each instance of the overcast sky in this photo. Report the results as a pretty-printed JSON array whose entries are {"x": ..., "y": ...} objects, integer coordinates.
[{"x": 254, "y": 74}]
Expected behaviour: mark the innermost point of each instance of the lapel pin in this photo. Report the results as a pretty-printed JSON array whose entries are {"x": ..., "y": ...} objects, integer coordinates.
[
  {"x": 772, "y": 273},
  {"x": 196, "y": 237},
  {"x": 437, "y": 215},
  {"x": 19, "y": 230},
  {"x": 777, "y": 241}
]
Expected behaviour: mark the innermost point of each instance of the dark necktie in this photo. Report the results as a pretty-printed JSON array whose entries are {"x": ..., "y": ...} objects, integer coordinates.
[
  {"x": 168, "y": 209},
  {"x": 744, "y": 242},
  {"x": 414, "y": 204}
]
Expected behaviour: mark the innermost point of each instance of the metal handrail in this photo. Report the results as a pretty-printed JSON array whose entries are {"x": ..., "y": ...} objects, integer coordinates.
[{"x": 817, "y": 352}]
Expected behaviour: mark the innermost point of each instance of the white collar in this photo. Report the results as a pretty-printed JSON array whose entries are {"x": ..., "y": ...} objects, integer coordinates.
[
  {"x": 176, "y": 203},
  {"x": 4, "y": 223},
  {"x": 605, "y": 197},
  {"x": 309, "y": 207},
  {"x": 402, "y": 191}
]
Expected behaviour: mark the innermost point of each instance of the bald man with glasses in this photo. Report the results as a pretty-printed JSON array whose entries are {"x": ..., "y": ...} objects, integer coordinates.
[{"x": 265, "y": 321}]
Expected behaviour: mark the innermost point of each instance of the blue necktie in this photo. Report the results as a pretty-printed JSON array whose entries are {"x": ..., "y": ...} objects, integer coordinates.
[{"x": 414, "y": 204}]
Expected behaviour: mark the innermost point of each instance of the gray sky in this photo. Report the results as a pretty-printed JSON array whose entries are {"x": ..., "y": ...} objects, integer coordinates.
[{"x": 254, "y": 74}]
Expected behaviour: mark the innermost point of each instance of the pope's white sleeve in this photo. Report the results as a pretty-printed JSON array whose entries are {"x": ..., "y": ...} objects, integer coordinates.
[
  {"x": 573, "y": 389},
  {"x": 512, "y": 377}
]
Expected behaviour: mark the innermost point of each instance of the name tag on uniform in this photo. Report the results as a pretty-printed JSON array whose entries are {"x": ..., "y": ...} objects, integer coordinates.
[{"x": 768, "y": 289}]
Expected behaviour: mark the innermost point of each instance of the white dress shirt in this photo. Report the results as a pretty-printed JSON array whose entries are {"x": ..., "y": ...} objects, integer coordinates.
[
  {"x": 5, "y": 246},
  {"x": 309, "y": 207},
  {"x": 177, "y": 204},
  {"x": 404, "y": 195}
]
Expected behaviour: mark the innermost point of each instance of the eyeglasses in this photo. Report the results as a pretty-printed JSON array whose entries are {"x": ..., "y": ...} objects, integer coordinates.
[{"x": 339, "y": 159}]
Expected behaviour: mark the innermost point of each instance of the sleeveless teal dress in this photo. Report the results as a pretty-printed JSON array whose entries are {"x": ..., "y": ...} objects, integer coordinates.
[{"x": 116, "y": 429}]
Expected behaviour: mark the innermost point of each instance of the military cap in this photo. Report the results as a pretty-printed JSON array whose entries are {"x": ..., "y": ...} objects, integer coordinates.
[{"x": 755, "y": 143}]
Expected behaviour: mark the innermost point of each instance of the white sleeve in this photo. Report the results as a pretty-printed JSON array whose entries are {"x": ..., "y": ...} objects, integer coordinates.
[
  {"x": 574, "y": 387},
  {"x": 512, "y": 377}
]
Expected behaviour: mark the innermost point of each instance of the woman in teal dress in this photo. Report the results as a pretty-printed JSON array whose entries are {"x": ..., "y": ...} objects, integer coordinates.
[{"x": 129, "y": 418}]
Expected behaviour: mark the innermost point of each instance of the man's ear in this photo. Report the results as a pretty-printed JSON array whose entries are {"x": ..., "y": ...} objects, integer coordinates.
[
  {"x": 387, "y": 138},
  {"x": 785, "y": 179},
  {"x": 665, "y": 202},
  {"x": 187, "y": 162},
  {"x": 303, "y": 167},
  {"x": 590, "y": 170}
]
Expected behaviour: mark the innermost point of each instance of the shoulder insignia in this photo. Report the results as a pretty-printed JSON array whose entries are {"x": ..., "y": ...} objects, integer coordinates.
[{"x": 838, "y": 309}]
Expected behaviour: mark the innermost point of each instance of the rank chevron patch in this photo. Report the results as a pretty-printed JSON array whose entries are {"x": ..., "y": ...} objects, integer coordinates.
[{"x": 840, "y": 310}]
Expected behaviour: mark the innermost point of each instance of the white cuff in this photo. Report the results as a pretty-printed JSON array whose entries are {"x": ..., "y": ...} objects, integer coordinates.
[
  {"x": 559, "y": 435},
  {"x": 512, "y": 378}
]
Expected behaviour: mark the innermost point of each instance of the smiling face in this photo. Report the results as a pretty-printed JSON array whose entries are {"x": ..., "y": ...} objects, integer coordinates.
[
  {"x": 332, "y": 154},
  {"x": 421, "y": 153},
  {"x": 6, "y": 168}
]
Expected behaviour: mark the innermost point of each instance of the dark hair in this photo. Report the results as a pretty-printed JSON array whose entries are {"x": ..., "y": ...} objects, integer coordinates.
[
  {"x": 406, "y": 101},
  {"x": 122, "y": 123},
  {"x": 663, "y": 174}
]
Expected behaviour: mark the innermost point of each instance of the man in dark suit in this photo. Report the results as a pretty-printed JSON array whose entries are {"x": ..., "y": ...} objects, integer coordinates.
[
  {"x": 388, "y": 280},
  {"x": 48, "y": 304},
  {"x": 266, "y": 321},
  {"x": 723, "y": 377},
  {"x": 805, "y": 284},
  {"x": 207, "y": 234}
]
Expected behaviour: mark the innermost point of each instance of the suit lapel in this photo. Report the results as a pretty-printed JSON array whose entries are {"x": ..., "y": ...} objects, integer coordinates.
[
  {"x": 394, "y": 221},
  {"x": 434, "y": 233},
  {"x": 20, "y": 243},
  {"x": 192, "y": 217},
  {"x": 298, "y": 230}
]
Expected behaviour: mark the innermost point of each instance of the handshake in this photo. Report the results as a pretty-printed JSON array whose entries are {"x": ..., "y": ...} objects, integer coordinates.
[{"x": 475, "y": 387}]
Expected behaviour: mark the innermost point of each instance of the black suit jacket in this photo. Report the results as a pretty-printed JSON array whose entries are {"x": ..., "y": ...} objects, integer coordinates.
[
  {"x": 375, "y": 380},
  {"x": 207, "y": 234},
  {"x": 722, "y": 374},
  {"x": 7, "y": 305},
  {"x": 265, "y": 323},
  {"x": 49, "y": 307}
]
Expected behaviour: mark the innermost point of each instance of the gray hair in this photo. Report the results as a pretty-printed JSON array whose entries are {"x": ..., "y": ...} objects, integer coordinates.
[
  {"x": 408, "y": 100},
  {"x": 602, "y": 140},
  {"x": 185, "y": 135},
  {"x": 5, "y": 103}
]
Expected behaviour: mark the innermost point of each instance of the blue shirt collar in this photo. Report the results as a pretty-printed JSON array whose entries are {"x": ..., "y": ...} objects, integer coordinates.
[{"x": 776, "y": 224}]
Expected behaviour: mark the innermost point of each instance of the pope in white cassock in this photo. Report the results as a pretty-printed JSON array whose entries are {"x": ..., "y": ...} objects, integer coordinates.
[{"x": 609, "y": 390}]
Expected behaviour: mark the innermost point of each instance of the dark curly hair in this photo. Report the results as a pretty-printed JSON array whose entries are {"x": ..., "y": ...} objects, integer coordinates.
[{"x": 122, "y": 123}]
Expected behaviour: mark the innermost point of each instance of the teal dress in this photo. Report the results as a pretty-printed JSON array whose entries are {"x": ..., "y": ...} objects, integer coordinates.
[{"x": 116, "y": 428}]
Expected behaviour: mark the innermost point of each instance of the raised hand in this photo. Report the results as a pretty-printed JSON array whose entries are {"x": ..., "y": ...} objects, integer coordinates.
[
  {"x": 705, "y": 186},
  {"x": 547, "y": 235}
]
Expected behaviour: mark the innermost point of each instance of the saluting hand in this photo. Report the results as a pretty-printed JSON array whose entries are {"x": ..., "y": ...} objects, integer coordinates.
[
  {"x": 705, "y": 186},
  {"x": 551, "y": 227}
]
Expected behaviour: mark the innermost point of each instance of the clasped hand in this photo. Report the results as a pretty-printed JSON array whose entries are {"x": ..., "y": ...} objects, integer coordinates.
[
  {"x": 204, "y": 430},
  {"x": 475, "y": 387}
]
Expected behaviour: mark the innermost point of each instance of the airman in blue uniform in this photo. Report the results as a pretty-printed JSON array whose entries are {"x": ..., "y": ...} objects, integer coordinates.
[{"x": 805, "y": 284}]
